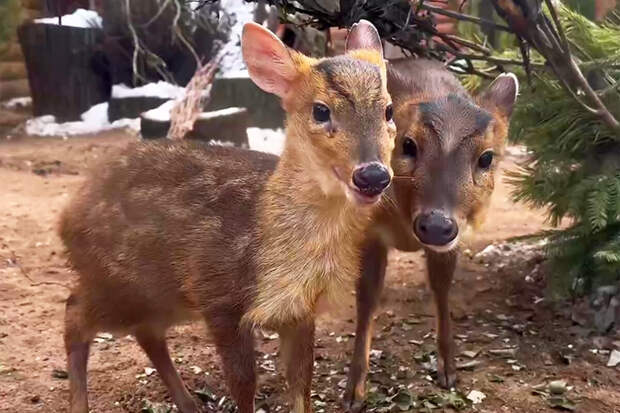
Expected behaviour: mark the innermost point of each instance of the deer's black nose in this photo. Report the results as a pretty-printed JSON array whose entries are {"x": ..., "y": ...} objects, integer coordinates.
[
  {"x": 371, "y": 179},
  {"x": 435, "y": 228}
]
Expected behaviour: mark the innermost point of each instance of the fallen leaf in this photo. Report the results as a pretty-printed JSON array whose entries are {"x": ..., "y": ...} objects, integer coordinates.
[
  {"x": 476, "y": 397},
  {"x": 504, "y": 352},
  {"x": 468, "y": 365},
  {"x": 561, "y": 403},
  {"x": 150, "y": 407},
  {"x": 206, "y": 394},
  {"x": 614, "y": 359},
  {"x": 494, "y": 378},
  {"x": 471, "y": 353},
  {"x": 60, "y": 374},
  {"x": 557, "y": 387}
]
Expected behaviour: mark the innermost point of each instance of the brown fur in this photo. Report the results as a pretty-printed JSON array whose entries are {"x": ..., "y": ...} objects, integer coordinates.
[
  {"x": 168, "y": 232},
  {"x": 451, "y": 129}
]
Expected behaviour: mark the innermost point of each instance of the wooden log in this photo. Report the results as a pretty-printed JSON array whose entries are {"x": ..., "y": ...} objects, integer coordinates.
[
  {"x": 13, "y": 70},
  {"x": 14, "y": 89},
  {"x": 32, "y": 4},
  {"x": 153, "y": 128},
  {"x": 226, "y": 125},
  {"x": 65, "y": 69},
  {"x": 11, "y": 52},
  {"x": 28, "y": 15},
  {"x": 264, "y": 109},
  {"x": 132, "y": 107},
  {"x": 10, "y": 118}
]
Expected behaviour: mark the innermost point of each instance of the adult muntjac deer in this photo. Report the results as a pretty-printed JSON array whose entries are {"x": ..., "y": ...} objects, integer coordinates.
[
  {"x": 166, "y": 233},
  {"x": 447, "y": 150}
]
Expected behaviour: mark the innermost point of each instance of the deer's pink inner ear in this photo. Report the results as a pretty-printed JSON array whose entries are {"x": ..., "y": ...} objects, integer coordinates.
[
  {"x": 502, "y": 93},
  {"x": 268, "y": 60},
  {"x": 363, "y": 35}
]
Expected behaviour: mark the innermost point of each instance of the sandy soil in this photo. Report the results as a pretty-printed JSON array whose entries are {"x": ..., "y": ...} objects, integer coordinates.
[{"x": 493, "y": 309}]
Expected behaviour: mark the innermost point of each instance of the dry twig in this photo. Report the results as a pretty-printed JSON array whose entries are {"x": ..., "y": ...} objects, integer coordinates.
[
  {"x": 15, "y": 261},
  {"x": 186, "y": 111}
]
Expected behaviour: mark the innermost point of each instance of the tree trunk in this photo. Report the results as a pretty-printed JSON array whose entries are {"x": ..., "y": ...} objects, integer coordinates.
[{"x": 66, "y": 70}]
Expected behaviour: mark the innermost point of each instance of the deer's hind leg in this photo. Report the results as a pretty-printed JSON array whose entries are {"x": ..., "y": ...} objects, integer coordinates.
[
  {"x": 153, "y": 342},
  {"x": 235, "y": 346},
  {"x": 78, "y": 335}
]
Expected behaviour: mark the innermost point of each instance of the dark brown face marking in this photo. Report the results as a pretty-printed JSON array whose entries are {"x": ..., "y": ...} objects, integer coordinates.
[
  {"x": 360, "y": 84},
  {"x": 342, "y": 72},
  {"x": 454, "y": 117}
]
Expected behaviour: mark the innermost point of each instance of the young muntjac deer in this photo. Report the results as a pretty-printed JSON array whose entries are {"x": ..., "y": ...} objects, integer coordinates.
[
  {"x": 166, "y": 233},
  {"x": 447, "y": 150}
]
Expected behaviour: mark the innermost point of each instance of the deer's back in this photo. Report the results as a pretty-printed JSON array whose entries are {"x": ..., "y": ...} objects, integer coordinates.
[{"x": 167, "y": 227}]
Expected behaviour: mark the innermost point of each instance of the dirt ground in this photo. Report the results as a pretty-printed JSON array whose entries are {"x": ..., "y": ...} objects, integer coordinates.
[{"x": 493, "y": 307}]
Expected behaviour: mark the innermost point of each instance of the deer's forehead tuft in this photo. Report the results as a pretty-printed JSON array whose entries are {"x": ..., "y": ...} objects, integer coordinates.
[
  {"x": 454, "y": 117},
  {"x": 356, "y": 80}
]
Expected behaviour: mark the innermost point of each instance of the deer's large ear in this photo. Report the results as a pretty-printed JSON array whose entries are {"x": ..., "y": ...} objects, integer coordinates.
[
  {"x": 363, "y": 35},
  {"x": 501, "y": 94},
  {"x": 269, "y": 62}
]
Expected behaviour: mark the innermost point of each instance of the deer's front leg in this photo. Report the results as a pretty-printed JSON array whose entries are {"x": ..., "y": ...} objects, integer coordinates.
[
  {"x": 369, "y": 288},
  {"x": 441, "y": 268},
  {"x": 297, "y": 353}
]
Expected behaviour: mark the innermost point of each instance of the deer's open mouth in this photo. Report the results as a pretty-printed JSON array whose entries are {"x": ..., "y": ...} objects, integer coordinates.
[{"x": 441, "y": 248}]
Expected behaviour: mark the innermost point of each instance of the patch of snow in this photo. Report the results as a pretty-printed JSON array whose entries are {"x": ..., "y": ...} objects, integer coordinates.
[
  {"x": 160, "y": 113},
  {"x": 86, "y": 19},
  {"x": 266, "y": 140},
  {"x": 159, "y": 89},
  {"x": 17, "y": 103},
  {"x": 242, "y": 13},
  {"x": 93, "y": 120},
  {"x": 216, "y": 142},
  {"x": 236, "y": 74},
  {"x": 221, "y": 112}
]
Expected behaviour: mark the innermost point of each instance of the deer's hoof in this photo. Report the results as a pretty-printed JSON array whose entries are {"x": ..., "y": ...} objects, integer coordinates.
[
  {"x": 190, "y": 406},
  {"x": 353, "y": 403},
  {"x": 354, "y": 406},
  {"x": 446, "y": 378}
]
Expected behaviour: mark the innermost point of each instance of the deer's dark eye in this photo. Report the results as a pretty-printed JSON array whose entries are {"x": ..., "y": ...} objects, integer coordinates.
[
  {"x": 410, "y": 148},
  {"x": 485, "y": 160},
  {"x": 389, "y": 112},
  {"x": 320, "y": 113}
]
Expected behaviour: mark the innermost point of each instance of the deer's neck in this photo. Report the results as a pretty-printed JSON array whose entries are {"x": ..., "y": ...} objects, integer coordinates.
[{"x": 308, "y": 245}]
